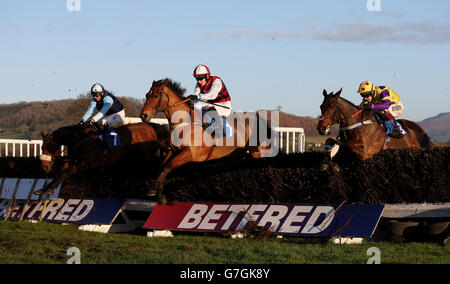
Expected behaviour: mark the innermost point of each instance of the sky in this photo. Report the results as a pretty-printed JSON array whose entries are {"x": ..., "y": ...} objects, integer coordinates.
[{"x": 269, "y": 54}]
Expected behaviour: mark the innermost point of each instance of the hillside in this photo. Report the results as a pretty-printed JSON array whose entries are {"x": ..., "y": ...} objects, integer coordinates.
[
  {"x": 438, "y": 127},
  {"x": 27, "y": 119}
]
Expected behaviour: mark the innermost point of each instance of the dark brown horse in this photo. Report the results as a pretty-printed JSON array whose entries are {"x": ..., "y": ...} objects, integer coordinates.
[
  {"x": 359, "y": 130},
  {"x": 87, "y": 151},
  {"x": 197, "y": 145}
]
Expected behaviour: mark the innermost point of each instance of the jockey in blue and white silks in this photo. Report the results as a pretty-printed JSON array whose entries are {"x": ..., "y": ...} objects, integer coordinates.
[{"x": 111, "y": 112}]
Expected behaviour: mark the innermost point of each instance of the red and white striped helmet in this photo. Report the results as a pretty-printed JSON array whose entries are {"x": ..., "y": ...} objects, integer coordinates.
[{"x": 201, "y": 70}]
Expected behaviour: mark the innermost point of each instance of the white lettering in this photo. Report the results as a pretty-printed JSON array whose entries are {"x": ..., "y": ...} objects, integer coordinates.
[
  {"x": 251, "y": 215},
  {"x": 75, "y": 254},
  {"x": 272, "y": 218},
  {"x": 294, "y": 217},
  {"x": 235, "y": 210},
  {"x": 73, "y": 5},
  {"x": 373, "y": 5},
  {"x": 196, "y": 212},
  {"x": 53, "y": 208},
  {"x": 67, "y": 209},
  {"x": 82, "y": 210},
  {"x": 206, "y": 225},
  {"x": 376, "y": 255},
  {"x": 310, "y": 228}
]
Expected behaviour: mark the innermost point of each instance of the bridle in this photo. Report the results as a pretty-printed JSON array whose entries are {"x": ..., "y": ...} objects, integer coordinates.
[
  {"x": 169, "y": 106},
  {"x": 330, "y": 121}
]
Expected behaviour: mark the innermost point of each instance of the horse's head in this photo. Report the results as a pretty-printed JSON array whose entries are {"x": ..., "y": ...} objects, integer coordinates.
[
  {"x": 50, "y": 151},
  {"x": 156, "y": 100},
  {"x": 329, "y": 113}
]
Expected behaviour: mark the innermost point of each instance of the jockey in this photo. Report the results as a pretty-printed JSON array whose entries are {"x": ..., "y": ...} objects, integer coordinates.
[
  {"x": 210, "y": 94},
  {"x": 385, "y": 101},
  {"x": 111, "y": 112}
]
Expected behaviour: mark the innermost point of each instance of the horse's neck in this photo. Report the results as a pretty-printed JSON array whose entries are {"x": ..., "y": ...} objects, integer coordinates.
[
  {"x": 347, "y": 113},
  {"x": 177, "y": 106},
  {"x": 66, "y": 136}
]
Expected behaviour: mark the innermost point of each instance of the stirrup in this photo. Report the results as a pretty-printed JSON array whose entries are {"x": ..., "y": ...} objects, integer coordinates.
[{"x": 396, "y": 133}]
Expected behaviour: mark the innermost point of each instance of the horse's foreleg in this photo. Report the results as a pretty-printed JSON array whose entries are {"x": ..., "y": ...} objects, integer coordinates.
[
  {"x": 263, "y": 151},
  {"x": 49, "y": 188},
  {"x": 182, "y": 158}
]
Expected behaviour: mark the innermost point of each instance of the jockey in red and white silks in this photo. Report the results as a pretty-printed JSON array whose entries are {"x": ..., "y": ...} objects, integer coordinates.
[{"x": 211, "y": 89}]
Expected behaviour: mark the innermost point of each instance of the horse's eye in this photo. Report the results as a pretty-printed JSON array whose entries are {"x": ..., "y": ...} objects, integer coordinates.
[{"x": 321, "y": 117}]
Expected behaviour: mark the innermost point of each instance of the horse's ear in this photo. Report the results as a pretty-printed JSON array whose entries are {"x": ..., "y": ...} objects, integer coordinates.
[
  {"x": 324, "y": 92},
  {"x": 42, "y": 134},
  {"x": 338, "y": 93},
  {"x": 165, "y": 81}
]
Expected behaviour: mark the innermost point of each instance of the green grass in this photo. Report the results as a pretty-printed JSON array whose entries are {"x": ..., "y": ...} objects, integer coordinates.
[{"x": 27, "y": 242}]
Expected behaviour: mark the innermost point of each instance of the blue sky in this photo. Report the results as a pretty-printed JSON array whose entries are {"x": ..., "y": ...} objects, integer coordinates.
[{"x": 269, "y": 53}]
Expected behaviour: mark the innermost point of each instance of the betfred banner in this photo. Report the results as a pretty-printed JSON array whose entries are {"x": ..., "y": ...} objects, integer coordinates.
[
  {"x": 76, "y": 211},
  {"x": 284, "y": 219}
]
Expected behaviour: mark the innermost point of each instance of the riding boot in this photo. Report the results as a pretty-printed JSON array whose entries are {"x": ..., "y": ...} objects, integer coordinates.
[{"x": 396, "y": 132}]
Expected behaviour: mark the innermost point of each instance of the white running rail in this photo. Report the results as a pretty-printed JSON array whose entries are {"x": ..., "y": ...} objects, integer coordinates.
[
  {"x": 292, "y": 140},
  {"x": 20, "y": 148}
]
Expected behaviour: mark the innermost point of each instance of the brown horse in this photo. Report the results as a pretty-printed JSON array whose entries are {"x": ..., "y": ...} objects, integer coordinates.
[
  {"x": 87, "y": 151},
  {"x": 198, "y": 145},
  {"x": 359, "y": 130}
]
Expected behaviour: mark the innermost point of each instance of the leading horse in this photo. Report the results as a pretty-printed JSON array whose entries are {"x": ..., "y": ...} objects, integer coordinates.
[
  {"x": 197, "y": 144},
  {"x": 359, "y": 130},
  {"x": 87, "y": 151}
]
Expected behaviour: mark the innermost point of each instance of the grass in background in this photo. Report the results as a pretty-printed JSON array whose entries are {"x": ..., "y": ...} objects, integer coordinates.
[{"x": 27, "y": 242}]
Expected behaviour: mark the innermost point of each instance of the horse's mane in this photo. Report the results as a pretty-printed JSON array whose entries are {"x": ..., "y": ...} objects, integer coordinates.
[
  {"x": 65, "y": 134},
  {"x": 352, "y": 104},
  {"x": 174, "y": 86}
]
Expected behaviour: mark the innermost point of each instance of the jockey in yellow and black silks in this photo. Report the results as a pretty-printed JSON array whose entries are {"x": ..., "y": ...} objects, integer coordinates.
[{"x": 383, "y": 100}]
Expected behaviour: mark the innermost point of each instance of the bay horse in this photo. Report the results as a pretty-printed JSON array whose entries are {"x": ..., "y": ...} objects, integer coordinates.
[
  {"x": 87, "y": 151},
  {"x": 359, "y": 130},
  {"x": 198, "y": 145}
]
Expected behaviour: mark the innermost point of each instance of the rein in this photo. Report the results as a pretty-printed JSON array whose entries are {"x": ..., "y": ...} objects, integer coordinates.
[
  {"x": 156, "y": 109},
  {"x": 350, "y": 127}
]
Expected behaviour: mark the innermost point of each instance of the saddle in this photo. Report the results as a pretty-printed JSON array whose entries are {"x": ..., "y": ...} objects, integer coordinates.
[
  {"x": 216, "y": 125},
  {"x": 110, "y": 137},
  {"x": 391, "y": 127}
]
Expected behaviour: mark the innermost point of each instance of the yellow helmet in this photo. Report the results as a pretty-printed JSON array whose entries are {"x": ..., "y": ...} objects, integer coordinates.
[{"x": 365, "y": 87}]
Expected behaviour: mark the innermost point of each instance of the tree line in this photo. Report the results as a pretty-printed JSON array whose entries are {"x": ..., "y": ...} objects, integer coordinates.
[{"x": 26, "y": 120}]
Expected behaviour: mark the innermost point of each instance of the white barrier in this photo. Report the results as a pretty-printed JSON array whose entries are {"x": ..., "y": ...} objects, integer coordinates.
[
  {"x": 20, "y": 148},
  {"x": 292, "y": 140}
]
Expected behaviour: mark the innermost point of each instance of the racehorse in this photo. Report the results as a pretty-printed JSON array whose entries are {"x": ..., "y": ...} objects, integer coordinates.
[
  {"x": 359, "y": 130},
  {"x": 198, "y": 146},
  {"x": 88, "y": 151}
]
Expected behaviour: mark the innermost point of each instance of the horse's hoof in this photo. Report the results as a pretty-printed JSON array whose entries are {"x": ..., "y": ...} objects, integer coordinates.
[
  {"x": 335, "y": 168},
  {"x": 324, "y": 167},
  {"x": 152, "y": 193},
  {"x": 50, "y": 192},
  {"x": 162, "y": 200},
  {"x": 38, "y": 192}
]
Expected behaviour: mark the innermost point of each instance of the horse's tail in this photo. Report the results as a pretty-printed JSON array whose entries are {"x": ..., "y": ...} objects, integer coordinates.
[{"x": 421, "y": 136}]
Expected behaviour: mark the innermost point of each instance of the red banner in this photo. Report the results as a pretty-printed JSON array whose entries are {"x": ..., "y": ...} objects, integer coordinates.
[{"x": 292, "y": 219}]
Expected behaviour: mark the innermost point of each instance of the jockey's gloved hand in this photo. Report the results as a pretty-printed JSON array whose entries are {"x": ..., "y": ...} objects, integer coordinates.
[
  {"x": 367, "y": 106},
  {"x": 192, "y": 97},
  {"x": 93, "y": 124},
  {"x": 81, "y": 123}
]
